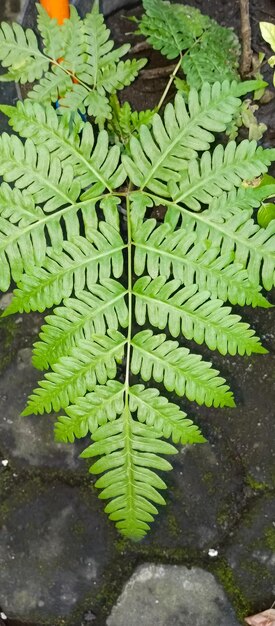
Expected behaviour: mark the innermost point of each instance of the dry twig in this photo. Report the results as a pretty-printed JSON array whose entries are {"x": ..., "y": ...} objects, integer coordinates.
[{"x": 246, "y": 60}]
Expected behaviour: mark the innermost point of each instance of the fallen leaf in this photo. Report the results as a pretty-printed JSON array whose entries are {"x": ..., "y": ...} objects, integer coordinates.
[{"x": 266, "y": 618}]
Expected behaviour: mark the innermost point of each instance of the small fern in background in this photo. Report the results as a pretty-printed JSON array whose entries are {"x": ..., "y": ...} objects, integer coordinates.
[
  {"x": 208, "y": 52},
  {"x": 128, "y": 295}
]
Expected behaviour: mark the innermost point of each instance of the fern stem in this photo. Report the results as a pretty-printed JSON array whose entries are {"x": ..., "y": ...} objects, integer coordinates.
[
  {"x": 130, "y": 299},
  {"x": 169, "y": 83},
  {"x": 127, "y": 414}
]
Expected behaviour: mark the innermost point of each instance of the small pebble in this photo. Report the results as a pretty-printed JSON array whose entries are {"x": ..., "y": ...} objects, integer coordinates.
[
  {"x": 89, "y": 617},
  {"x": 212, "y": 552},
  {"x": 5, "y": 462},
  {"x": 3, "y": 615}
]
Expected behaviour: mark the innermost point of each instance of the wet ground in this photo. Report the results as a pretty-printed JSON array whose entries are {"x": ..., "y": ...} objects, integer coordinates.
[{"x": 61, "y": 561}]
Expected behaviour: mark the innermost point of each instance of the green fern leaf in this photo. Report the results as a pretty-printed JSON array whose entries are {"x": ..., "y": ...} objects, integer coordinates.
[
  {"x": 99, "y": 48},
  {"x": 89, "y": 363},
  {"x": 90, "y": 412},
  {"x": 74, "y": 52},
  {"x": 129, "y": 450},
  {"x": 51, "y": 33},
  {"x": 19, "y": 251},
  {"x": 162, "y": 154},
  {"x": 20, "y": 53},
  {"x": 232, "y": 229},
  {"x": 80, "y": 264},
  {"x": 53, "y": 86},
  {"x": 194, "y": 314},
  {"x": 90, "y": 313},
  {"x": 225, "y": 169},
  {"x": 178, "y": 369},
  {"x": 164, "y": 416},
  {"x": 126, "y": 122},
  {"x": 33, "y": 169},
  {"x": 215, "y": 56},
  {"x": 95, "y": 162},
  {"x": 181, "y": 253},
  {"x": 171, "y": 28},
  {"x": 115, "y": 77}
]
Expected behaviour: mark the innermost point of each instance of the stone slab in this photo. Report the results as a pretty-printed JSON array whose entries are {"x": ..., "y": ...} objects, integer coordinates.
[
  {"x": 171, "y": 595},
  {"x": 29, "y": 441},
  {"x": 203, "y": 494},
  {"x": 54, "y": 546},
  {"x": 251, "y": 553}
]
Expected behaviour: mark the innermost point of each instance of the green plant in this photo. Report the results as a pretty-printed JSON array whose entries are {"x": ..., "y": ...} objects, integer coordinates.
[
  {"x": 126, "y": 288},
  {"x": 207, "y": 52},
  {"x": 268, "y": 34}
]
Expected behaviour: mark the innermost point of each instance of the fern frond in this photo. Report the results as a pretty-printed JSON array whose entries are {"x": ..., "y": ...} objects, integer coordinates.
[
  {"x": 20, "y": 53},
  {"x": 75, "y": 47},
  {"x": 90, "y": 313},
  {"x": 34, "y": 170},
  {"x": 126, "y": 122},
  {"x": 171, "y": 28},
  {"x": 193, "y": 314},
  {"x": 99, "y": 48},
  {"x": 160, "y": 155},
  {"x": 222, "y": 171},
  {"x": 128, "y": 451},
  {"x": 94, "y": 161},
  {"x": 164, "y": 416},
  {"x": 90, "y": 412},
  {"x": 178, "y": 369},
  {"x": 80, "y": 264},
  {"x": 51, "y": 33},
  {"x": 53, "y": 86},
  {"x": 211, "y": 51},
  {"x": 91, "y": 362},
  {"x": 181, "y": 253},
  {"x": 233, "y": 230},
  {"x": 19, "y": 249},
  {"x": 214, "y": 57}
]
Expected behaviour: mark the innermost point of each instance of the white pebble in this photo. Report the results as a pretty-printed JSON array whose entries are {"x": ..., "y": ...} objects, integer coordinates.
[
  {"x": 212, "y": 552},
  {"x": 3, "y": 616},
  {"x": 5, "y": 462}
]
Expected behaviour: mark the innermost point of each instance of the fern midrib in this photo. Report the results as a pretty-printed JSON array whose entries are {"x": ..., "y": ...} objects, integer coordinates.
[
  {"x": 129, "y": 462},
  {"x": 211, "y": 225},
  {"x": 128, "y": 418},
  {"x": 187, "y": 375}
]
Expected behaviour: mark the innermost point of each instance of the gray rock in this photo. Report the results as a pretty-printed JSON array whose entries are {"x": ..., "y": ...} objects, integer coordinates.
[
  {"x": 251, "y": 553},
  {"x": 54, "y": 545},
  {"x": 29, "y": 441},
  {"x": 172, "y": 595},
  {"x": 204, "y": 489}
]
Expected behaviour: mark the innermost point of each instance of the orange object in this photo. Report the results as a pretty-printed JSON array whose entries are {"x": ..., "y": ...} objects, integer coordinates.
[{"x": 58, "y": 9}]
